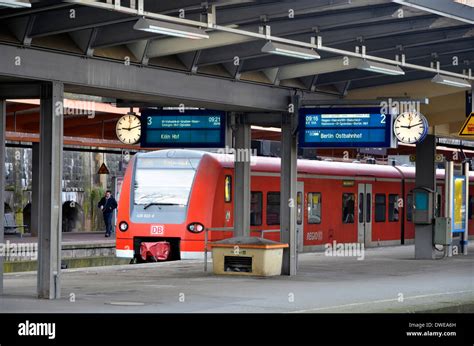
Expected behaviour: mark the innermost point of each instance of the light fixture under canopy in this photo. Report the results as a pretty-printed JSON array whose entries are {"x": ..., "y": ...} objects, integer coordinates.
[
  {"x": 291, "y": 51},
  {"x": 170, "y": 29},
  {"x": 373, "y": 66},
  {"x": 451, "y": 81}
]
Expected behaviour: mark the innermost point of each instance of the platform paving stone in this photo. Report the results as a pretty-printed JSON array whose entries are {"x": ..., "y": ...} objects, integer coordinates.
[{"x": 387, "y": 280}]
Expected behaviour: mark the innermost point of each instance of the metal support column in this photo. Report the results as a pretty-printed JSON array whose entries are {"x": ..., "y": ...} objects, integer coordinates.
[
  {"x": 35, "y": 183},
  {"x": 50, "y": 188},
  {"x": 448, "y": 201},
  {"x": 229, "y": 130},
  {"x": 242, "y": 178},
  {"x": 466, "y": 172},
  {"x": 289, "y": 156},
  {"x": 3, "y": 116},
  {"x": 465, "y": 235},
  {"x": 425, "y": 177}
]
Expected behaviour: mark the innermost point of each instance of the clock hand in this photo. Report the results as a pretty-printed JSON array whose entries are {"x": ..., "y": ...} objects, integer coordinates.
[
  {"x": 410, "y": 126},
  {"x": 129, "y": 128}
]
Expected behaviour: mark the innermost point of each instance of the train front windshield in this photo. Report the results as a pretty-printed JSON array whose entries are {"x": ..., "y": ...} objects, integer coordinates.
[{"x": 162, "y": 181}]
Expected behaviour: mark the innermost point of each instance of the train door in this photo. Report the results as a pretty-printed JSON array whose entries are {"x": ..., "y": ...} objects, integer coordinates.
[
  {"x": 364, "y": 226},
  {"x": 300, "y": 214}
]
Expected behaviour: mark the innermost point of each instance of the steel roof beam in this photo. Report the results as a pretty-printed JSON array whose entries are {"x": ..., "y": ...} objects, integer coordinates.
[
  {"x": 170, "y": 46},
  {"x": 359, "y": 77},
  {"x": 313, "y": 68},
  {"x": 411, "y": 75},
  {"x": 101, "y": 77},
  {"x": 172, "y": 7},
  {"x": 34, "y": 10},
  {"x": 61, "y": 21},
  {"x": 445, "y": 60},
  {"x": 20, "y": 90},
  {"x": 140, "y": 49},
  {"x": 251, "y": 11},
  {"x": 167, "y": 7},
  {"x": 449, "y": 46},
  {"x": 280, "y": 9},
  {"x": 419, "y": 39},
  {"x": 445, "y": 8},
  {"x": 263, "y": 36},
  {"x": 366, "y": 26},
  {"x": 22, "y": 28},
  {"x": 122, "y": 33},
  {"x": 336, "y": 64},
  {"x": 384, "y": 29},
  {"x": 258, "y": 63},
  {"x": 84, "y": 39}
]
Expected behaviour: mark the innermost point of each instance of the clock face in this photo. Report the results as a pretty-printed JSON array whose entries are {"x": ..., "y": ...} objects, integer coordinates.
[
  {"x": 128, "y": 129},
  {"x": 410, "y": 127}
]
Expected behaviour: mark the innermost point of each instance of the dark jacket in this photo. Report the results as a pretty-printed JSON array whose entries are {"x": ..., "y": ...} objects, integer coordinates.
[{"x": 108, "y": 204}]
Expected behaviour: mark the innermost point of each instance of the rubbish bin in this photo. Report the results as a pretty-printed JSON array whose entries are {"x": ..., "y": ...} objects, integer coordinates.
[{"x": 247, "y": 256}]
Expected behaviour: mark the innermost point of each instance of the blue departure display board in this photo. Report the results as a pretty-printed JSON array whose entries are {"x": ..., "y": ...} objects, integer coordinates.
[
  {"x": 189, "y": 129},
  {"x": 344, "y": 128}
]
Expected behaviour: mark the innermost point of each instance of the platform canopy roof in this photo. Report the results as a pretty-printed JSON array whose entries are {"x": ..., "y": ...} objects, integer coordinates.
[{"x": 332, "y": 49}]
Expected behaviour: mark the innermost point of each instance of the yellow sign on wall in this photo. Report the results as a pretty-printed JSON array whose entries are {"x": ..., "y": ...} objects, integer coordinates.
[{"x": 468, "y": 128}]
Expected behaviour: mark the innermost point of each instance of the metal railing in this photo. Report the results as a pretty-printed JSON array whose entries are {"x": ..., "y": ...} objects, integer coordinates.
[{"x": 228, "y": 229}]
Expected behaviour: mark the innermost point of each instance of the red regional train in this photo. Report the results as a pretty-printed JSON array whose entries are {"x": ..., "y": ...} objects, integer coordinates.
[{"x": 172, "y": 195}]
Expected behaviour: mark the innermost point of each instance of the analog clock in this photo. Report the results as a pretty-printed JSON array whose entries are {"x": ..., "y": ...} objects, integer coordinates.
[
  {"x": 128, "y": 129},
  {"x": 410, "y": 127}
]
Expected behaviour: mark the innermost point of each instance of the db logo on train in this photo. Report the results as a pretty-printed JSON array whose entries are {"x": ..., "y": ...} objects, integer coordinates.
[{"x": 157, "y": 229}]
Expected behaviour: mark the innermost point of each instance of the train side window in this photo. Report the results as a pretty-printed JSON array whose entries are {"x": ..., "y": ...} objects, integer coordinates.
[
  {"x": 273, "y": 208},
  {"x": 361, "y": 208},
  {"x": 409, "y": 207},
  {"x": 471, "y": 206},
  {"x": 314, "y": 207},
  {"x": 393, "y": 212},
  {"x": 228, "y": 189},
  {"x": 380, "y": 207},
  {"x": 348, "y": 208},
  {"x": 299, "y": 208},
  {"x": 369, "y": 207},
  {"x": 256, "y": 208}
]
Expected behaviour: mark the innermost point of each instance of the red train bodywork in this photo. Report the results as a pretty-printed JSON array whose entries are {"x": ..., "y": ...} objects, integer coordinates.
[{"x": 207, "y": 205}]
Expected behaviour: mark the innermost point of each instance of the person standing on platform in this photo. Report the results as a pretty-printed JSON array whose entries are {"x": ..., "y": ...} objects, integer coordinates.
[{"x": 107, "y": 204}]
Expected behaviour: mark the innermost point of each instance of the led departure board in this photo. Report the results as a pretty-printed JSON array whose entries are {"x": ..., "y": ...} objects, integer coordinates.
[
  {"x": 344, "y": 128},
  {"x": 187, "y": 129}
]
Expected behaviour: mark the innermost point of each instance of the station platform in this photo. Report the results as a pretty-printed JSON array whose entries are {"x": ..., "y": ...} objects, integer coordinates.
[
  {"x": 79, "y": 249},
  {"x": 70, "y": 237},
  {"x": 387, "y": 280}
]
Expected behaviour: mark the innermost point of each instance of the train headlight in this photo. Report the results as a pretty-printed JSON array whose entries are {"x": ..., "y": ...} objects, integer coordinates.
[
  {"x": 123, "y": 226},
  {"x": 195, "y": 227}
]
